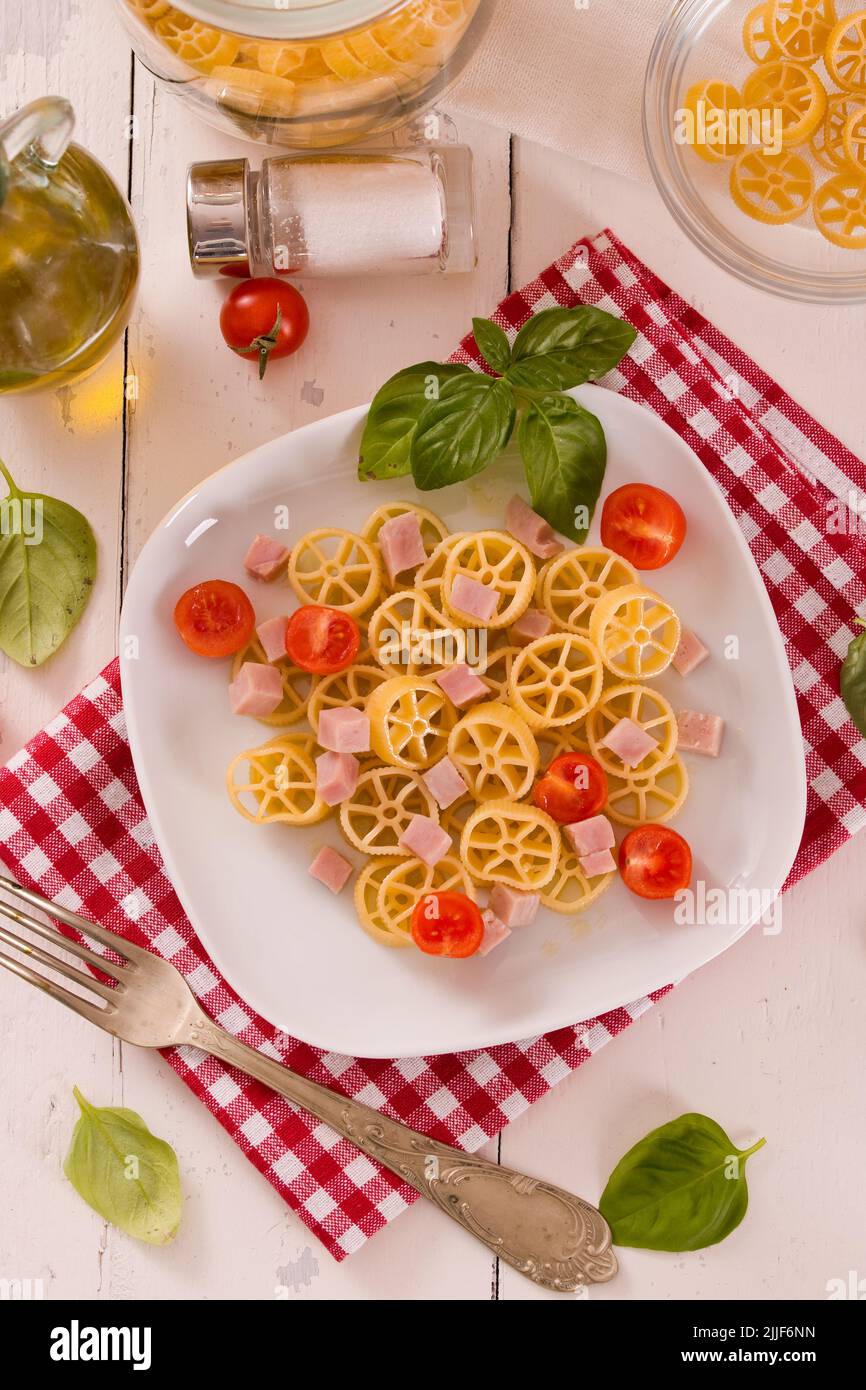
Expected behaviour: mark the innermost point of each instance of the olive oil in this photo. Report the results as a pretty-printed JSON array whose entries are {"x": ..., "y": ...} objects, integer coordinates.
[{"x": 68, "y": 269}]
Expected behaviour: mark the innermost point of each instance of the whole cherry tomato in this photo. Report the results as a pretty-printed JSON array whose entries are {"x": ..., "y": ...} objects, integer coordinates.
[{"x": 265, "y": 319}]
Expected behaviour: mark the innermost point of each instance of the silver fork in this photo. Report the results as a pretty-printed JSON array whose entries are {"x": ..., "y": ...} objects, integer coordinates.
[{"x": 554, "y": 1238}]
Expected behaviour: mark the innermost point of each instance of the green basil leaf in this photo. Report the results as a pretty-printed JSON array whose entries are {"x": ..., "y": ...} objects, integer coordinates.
[
  {"x": 564, "y": 457},
  {"x": 492, "y": 344},
  {"x": 852, "y": 681},
  {"x": 125, "y": 1173},
  {"x": 458, "y": 435},
  {"x": 47, "y": 569},
  {"x": 393, "y": 417},
  {"x": 683, "y": 1187},
  {"x": 561, "y": 348}
]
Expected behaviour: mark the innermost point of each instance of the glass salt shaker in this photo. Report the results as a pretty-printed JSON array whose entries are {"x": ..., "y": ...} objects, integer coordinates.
[{"x": 376, "y": 212}]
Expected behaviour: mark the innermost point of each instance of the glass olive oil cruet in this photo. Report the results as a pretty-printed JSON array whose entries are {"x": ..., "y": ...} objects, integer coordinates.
[{"x": 68, "y": 252}]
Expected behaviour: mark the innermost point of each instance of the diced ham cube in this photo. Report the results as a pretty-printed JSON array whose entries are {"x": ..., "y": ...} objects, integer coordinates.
[
  {"x": 265, "y": 558},
  {"x": 590, "y": 836},
  {"x": 495, "y": 932},
  {"x": 336, "y": 776},
  {"x": 602, "y": 862},
  {"x": 444, "y": 782},
  {"x": 690, "y": 653},
  {"x": 344, "y": 730},
  {"x": 272, "y": 636},
  {"x": 475, "y": 600},
  {"x": 531, "y": 530},
  {"x": 461, "y": 685},
  {"x": 426, "y": 840},
  {"x": 256, "y": 690},
  {"x": 700, "y": 733},
  {"x": 532, "y": 625},
  {"x": 513, "y": 908},
  {"x": 630, "y": 742},
  {"x": 402, "y": 544},
  {"x": 331, "y": 868}
]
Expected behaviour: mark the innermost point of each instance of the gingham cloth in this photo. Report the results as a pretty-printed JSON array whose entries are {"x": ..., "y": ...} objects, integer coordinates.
[{"x": 72, "y": 823}]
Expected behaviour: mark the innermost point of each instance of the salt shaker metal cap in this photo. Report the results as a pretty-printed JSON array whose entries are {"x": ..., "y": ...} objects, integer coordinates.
[{"x": 220, "y": 195}]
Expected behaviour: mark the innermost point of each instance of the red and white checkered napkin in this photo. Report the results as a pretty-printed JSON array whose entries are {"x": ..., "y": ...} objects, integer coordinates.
[{"x": 72, "y": 823}]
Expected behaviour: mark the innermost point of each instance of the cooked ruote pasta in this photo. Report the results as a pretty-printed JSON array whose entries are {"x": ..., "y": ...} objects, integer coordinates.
[
  {"x": 495, "y": 751},
  {"x": 343, "y": 690},
  {"x": 337, "y": 569},
  {"x": 410, "y": 721},
  {"x": 433, "y": 532},
  {"x": 639, "y": 798},
  {"x": 297, "y": 687},
  {"x": 556, "y": 680},
  {"x": 498, "y": 565},
  {"x": 378, "y": 812},
  {"x": 398, "y": 890},
  {"x": 409, "y": 636},
  {"x": 571, "y": 890},
  {"x": 644, "y": 707},
  {"x": 636, "y": 632},
  {"x": 513, "y": 843},
  {"x": 570, "y": 585},
  {"x": 277, "y": 783}
]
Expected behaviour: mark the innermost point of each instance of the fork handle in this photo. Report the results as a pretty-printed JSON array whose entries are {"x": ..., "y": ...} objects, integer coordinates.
[{"x": 554, "y": 1238}]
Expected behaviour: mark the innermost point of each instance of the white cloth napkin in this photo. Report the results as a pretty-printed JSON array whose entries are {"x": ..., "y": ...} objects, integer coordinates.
[{"x": 568, "y": 74}]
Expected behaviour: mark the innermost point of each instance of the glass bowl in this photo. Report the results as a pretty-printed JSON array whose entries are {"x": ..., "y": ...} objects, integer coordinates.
[{"x": 703, "y": 39}]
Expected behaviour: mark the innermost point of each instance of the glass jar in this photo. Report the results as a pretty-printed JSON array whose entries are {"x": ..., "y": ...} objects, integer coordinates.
[{"x": 307, "y": 74}]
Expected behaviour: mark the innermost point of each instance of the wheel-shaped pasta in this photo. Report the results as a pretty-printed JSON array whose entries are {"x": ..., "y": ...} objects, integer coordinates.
[
  {"x": 645, "y": 707},
  {"x": 571, "y": 584},
  {"x": 496, "y": 752},
  {"x": 381, "y": 807},
  {"x": 410, "y": 720},
  {"x": 297, "y": 687},
  {"x": 498, "y": 561},
  {"x": 512, "y": 843},
  {"x": 556, "y": 680},
  {"x": 636, "y": 632},
  {"x": 656, "y": 796},
  {"x": 336, "y": 568},
  {"x": 408, "y": 635},
  {"x": 197, "y": 44},
  {"x": 433, "y": 531},
  {"x": 277, "y": 782},
  {"x": 405, "y": 883},
  {"x": 366, "y": 896},
  {"x": 570, "y": 890},
  {"x": 350, "y": 688}
]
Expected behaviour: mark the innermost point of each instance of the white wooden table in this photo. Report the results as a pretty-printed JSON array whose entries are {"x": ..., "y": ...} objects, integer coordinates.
[{"x": 768, "y": 1040}]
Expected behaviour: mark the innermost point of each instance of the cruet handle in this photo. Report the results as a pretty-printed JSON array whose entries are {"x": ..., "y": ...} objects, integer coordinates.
[{"x": 41, "y": 131}]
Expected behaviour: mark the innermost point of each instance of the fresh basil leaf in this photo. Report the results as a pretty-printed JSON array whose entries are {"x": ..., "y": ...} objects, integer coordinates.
[
  {"x": 47, "y": 569},
  {"x": 394, "y": 415},
  {"x": 125, "y": 1173},
  {"x": 683, "y": 1187},
  {"x": 564, "y": 457},
  {"x": 467, "y": 428},
  {"x": 561, "y": 348},
  {"x": 492, "y": 344},
  {"x": 852, "y": 681}
]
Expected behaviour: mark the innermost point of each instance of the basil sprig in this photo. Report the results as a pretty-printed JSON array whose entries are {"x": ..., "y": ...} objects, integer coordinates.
[
  {"x": 852, "y": 681},
  {"x": 444, "y": 424},
  {"x": 683, "y": 1187}
]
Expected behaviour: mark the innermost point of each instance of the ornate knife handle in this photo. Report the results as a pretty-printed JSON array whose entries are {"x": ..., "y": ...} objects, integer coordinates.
[{"x": 554, "y": 1238}]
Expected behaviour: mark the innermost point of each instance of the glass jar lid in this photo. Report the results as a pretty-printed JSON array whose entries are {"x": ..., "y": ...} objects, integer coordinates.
[{"x": 291, "y": 19}]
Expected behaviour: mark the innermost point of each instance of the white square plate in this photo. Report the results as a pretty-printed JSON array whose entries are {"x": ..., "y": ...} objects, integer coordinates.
[{"x": 293, "y": 951}]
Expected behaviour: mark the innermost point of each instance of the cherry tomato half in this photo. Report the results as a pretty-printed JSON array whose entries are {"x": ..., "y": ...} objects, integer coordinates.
[
  {"x": 655, "y": 862},
  {"x": 643, "y": 524},
  {"x": 215, "y": 618},
  {"x": 265, "y": 319},
  {"x": 447, "y": 924},
  {"x": 322, "y": 640},
  {"x": 573, "y": 788}
]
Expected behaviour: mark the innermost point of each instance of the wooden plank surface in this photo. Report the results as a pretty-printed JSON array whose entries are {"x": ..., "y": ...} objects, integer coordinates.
[{"x": 767, "y": 1040}]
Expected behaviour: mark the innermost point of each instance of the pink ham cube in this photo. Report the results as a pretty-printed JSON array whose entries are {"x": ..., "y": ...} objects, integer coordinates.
[
  {"x": 426, "y": 840},
  {"x": 473, "y": 599},
  {"x": 272, "y": 636},
  {"x": 402, "y": 544},
  {"x": 532, "y": 625},
  {"x": 495, "y": 932},
  {"x": 265, "y": 558},
  {"x": 630, "y": 742},
  {"x": 602, "y": 862},
  {"x": 590, "y": 836},
  {"x": 444, "y": 782},
  {"x": 336, "y": 777},
  {"x": 256, "y": 690},
  {"x": 461, "y": 685},
  {"x": 513, "y": 908},
  {"x": 700, "y": 733},
  {"x": 531, "y": 530},
  {"x": 344, "y": 730},
  {"x": 690, "y": 653},
  {"x": 331, "y": 868}
]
